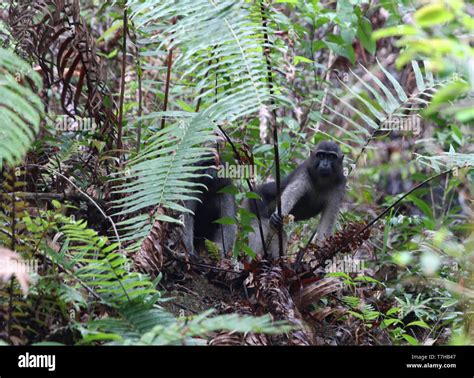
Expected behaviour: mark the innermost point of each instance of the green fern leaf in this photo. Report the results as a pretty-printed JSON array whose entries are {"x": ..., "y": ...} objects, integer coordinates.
[{"x": 20, "y": 106}]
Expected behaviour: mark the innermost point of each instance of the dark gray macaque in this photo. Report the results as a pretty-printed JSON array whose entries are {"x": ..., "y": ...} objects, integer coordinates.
[
  {"x": 317, "y": 186},
  {"x": 210, "y": 206}
]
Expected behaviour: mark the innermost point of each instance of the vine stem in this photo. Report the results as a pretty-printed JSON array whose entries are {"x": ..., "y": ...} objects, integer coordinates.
[
  {"x": 12, "y": 247},
  {"x": 276, "y": 152}
]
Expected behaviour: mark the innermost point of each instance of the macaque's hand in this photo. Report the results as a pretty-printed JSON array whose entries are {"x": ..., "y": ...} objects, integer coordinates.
[{"x": 276, "y": 222}]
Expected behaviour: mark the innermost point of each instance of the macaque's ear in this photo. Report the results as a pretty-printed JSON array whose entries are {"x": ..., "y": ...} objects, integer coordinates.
[{"x": 342, "y": 157}]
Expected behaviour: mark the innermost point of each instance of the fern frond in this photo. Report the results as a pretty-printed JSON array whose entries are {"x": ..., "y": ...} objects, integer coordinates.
[
  {"x": 384, "y": 103},
  {"x": 216, "y": 39},
  {"x": 150, "y": 326},
  {"x": 160, "y": 174},
  {"x": 447, "y": 160},
  {"x": 20, "y": 106},
  {"x": 101, "y": 268},
  {"x": 220, "y": 46}
]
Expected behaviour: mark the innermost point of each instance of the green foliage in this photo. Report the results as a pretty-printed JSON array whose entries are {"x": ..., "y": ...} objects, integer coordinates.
[
  {"x": 140, "y": 326},
  {"x": 20, "y": 106},
  {"x": 437, "y": 37},
  {"x": 85, "y": 291},
  {"x": 95, "y": 269},
  {"x": 375, "y": 111},
  {"x": 217, "y": 40},
  {"x": 221, "y": 40}
]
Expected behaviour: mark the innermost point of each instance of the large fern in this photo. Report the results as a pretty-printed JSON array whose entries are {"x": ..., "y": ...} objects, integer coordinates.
[
  {"x": 216, "y": 41},
  {"x": 219, "y": 39},
  {"x": 101, "y": 268},
  {"x": 378, "y": 102}
]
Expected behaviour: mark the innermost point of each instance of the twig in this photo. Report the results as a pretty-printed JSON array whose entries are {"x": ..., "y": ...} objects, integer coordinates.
[
  {"x": 51, "y": 196},
  {"x": 140, "y": 98}
]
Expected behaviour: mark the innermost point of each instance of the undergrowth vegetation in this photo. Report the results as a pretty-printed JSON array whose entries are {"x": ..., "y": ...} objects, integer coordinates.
[{"x": 106, "y": 108}]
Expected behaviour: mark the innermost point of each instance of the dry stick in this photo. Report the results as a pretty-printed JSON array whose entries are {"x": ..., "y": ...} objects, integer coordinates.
[
  {"x": 122, "y": 80},
  {"x": 140, "y": 99},
  {"x": 383, "y": 213},
  {"x": 169, "y": 63},
  {"x": 51, "y": 196},
  {"x": 266, "y": 53}
]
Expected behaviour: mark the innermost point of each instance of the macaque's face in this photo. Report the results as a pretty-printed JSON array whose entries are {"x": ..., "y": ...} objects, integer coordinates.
[{"x": 327, "y": 160}]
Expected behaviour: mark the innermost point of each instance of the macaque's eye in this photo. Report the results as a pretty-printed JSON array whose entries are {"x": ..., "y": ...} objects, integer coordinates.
[
  {"x": 332, "y": 157},
  {"x": 320, "y": 155}
]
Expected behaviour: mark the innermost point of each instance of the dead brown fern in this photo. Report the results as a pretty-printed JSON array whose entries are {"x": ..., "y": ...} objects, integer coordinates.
[{"x": 54, "y": 34}]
